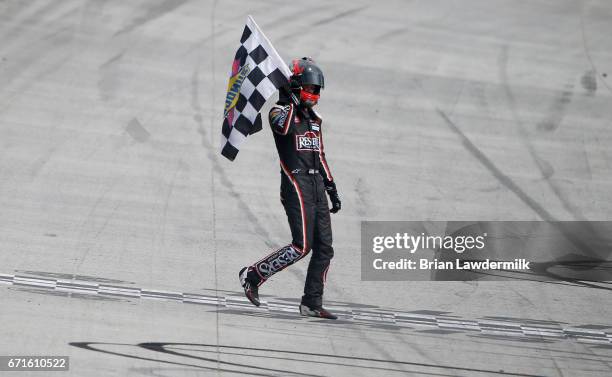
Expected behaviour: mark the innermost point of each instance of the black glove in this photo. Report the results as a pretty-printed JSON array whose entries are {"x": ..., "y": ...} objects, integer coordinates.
[
  {"x": 294, "y": 84},
  {"x": 287, "y": 92},
  {"x": 330, "y": 187}
]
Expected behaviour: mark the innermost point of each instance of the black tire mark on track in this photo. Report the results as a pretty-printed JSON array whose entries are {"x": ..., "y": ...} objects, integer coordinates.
[
  {"x": 289, "y": 18},
  {"x": 544, "y": 167},
  {"x": 557, "y": 110},
  {"x": 363, "y": 193},
  {"x": 340, "y": 15},
  {"x": 568, "y": 233},
  {"x": 36, "y": 17},
  {"x": 152, "y": 13},
  {"x": 589, "y": 82},
  {"x": 319, "y": 362},
  {"x": 167, "y": 348},
  {"x": 322, "y": 22},
  {"x": 498, "y": 174},
  {"x": 587, "y": 51},
  {"x": 90, "y": 347}
]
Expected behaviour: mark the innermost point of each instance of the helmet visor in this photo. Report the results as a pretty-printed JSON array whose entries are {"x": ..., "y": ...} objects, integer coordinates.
[{"x": 314, "y": 89}]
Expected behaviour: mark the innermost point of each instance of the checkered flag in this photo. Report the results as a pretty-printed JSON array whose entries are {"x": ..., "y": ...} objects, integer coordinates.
[{"x": 257, "y": 72}]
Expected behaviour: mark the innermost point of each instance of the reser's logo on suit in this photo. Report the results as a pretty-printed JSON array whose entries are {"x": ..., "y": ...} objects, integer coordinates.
[
  {"x": 309, "y": 141},
  {"x": 278, "y": 260}
]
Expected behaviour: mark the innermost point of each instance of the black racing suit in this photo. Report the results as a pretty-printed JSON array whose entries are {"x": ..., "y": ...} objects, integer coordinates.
[{"x": 304, "y": 174}]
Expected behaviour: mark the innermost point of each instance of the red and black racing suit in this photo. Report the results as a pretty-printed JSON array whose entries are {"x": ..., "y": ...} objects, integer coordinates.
[{"x": 304, "y": 177}]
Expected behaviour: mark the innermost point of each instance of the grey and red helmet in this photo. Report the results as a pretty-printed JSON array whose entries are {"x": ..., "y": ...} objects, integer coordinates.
[{"x": 306, "y": 72}]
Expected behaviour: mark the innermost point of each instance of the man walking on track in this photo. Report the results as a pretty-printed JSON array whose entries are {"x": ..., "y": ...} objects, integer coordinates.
[{"x": 305, "y": 179}]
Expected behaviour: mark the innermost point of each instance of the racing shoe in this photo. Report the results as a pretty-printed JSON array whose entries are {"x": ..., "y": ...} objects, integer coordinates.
[
  {"x": 318, "y": 312},
  {"x": 250, "y": 289}
]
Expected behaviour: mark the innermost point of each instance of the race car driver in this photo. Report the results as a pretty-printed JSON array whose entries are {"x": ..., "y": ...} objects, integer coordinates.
[{"x": 305, "y": 179}]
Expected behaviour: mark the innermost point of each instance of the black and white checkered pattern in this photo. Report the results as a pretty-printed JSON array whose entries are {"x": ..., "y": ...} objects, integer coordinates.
[
  {"x": 356, "y": 314},
  {"x": 267, "y": 73}
]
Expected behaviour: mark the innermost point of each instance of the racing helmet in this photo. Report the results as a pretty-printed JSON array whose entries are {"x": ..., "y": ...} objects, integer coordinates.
[{"x": 306, "y": 72}]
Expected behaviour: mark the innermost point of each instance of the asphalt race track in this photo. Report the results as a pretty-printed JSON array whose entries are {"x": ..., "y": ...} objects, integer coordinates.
[{"x": 122, "y": 228}]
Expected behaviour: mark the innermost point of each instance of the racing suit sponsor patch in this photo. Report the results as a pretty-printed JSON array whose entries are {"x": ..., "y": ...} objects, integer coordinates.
[
  {"x": 277, "y": 261},
  {"x": 308, "y": 141},
  {"x": 279, "y": 115}
]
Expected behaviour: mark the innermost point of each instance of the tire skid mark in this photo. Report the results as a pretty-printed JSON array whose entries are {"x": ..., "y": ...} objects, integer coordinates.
[
  {"x": 292, "y": 16},
  {"x": 16, "y": 29},
  {"x": 532, "y": 203},
  {"x": 585, "y": 45},
  {"x": 52, "y": 49},
  {"x": 340, "y": 15},
  {"x": 589, "y": 82},
  {"x": 497, "y": 173},
  {"x": 152, "y": 13},
  {"x": 546, "y": 170},
  {"x": 557, "y": 109},
  {"x": 363, "y": 199}
]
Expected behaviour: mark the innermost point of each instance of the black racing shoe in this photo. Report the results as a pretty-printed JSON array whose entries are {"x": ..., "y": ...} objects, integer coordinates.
[
  {"x": 316, "y": 312},
  {"x": 250, "y": 289}
]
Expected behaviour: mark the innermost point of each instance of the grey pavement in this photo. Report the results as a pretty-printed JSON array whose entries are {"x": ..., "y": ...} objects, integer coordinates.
[{"x": 122, "y": 228}]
